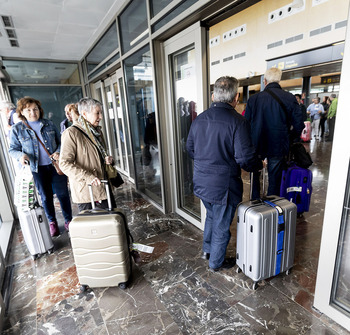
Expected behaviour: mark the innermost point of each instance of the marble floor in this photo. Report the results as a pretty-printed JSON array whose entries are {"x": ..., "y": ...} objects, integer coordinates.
[{"x": 172, "y": 291}]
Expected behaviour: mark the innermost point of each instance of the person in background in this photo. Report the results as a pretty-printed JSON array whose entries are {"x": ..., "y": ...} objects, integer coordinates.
[
  {"x": 273, "y": 128},
  {"x": 25, "y": 147},
  {"x": 68, "y": 121},
  {"x": 9, "y": 109},
  {"x": 331, "y": 116},
  {"x": 84, "y": 155},
  {"x": 315, "y": 111},
  {"x": 324, "y": 115},
  {"x": 302, "y": 106},
  {"x": 220, "y": 144}
]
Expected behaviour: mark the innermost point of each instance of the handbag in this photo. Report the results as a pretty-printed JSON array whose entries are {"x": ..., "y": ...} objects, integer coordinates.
[
  {"x": 113, "y": 175},
  {"x": 53, "y": 161}
]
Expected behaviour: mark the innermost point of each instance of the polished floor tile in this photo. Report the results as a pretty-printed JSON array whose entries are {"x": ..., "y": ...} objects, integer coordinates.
[{"x": 172, "y": 291}]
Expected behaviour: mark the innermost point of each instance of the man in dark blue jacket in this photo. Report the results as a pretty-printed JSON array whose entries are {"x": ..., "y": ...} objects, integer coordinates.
[
  {"x": 220, "y": 143},
  {"x": 273, "y": 128}
]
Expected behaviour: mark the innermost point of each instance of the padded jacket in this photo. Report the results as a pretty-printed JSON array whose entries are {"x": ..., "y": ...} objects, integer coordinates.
[
  {"x": 220, "y": 143},
  {"x": 80, "y": 161},
  {"x": 269, "y": 123}
]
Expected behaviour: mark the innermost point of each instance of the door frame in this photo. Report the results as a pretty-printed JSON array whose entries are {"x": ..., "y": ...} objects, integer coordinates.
[{"x": 193, "y": 35}]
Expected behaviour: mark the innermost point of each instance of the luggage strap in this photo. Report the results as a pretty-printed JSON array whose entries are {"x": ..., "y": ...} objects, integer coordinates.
[{"x": 280, "y": 235}]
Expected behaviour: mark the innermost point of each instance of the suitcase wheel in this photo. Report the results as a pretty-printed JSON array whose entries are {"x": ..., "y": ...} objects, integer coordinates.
[
  {"x": 122, "y": 286},
  {"x": 255, "y": 285},
  {"x": 34, "y": 257},
  {"x": 83, "y": 288},
  {"x": 238, "y": 270},
  {"x": 50, "y": 251},
  {"x": 288, "y": 272}
]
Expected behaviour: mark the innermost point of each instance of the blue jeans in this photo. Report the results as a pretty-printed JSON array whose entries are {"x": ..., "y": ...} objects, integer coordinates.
[
  {"x": 217, "y": 232},
  {"x": 275, "y": 166},
  {"x": 48, "y": 183}
]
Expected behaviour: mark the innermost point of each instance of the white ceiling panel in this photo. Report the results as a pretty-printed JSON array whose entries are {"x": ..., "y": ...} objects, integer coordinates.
[{"x": 55, "y": 29}]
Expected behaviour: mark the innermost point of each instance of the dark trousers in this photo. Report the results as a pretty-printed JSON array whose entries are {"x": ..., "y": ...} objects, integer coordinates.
[
  {"x": 48, "y": 183},
  {"x": 217, "y": 231},
  {"x": 321, "y": 126},
  {"x": 275, "y": 167},
  {"x": 331, "y": 124}
]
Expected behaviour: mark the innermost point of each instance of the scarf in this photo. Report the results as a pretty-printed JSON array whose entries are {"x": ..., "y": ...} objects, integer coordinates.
[{"x": 95, "y": 134}]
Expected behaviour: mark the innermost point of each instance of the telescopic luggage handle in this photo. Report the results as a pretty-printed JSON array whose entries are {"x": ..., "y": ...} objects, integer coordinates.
[{"x": 109, "y": 201}]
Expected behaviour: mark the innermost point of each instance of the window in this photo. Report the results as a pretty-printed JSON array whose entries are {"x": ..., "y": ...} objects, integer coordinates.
[{"x": 133, "y": 25}]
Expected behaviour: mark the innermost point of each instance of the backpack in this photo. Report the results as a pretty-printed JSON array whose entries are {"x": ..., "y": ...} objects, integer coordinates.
[{"x": 300, "y": 156}]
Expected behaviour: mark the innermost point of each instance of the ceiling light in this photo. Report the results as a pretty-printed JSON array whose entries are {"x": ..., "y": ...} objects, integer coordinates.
[{"x": 297, "y": 3}]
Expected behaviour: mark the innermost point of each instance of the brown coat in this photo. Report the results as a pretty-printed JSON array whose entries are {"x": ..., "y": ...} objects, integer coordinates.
[{"x": 80, "y": 161}]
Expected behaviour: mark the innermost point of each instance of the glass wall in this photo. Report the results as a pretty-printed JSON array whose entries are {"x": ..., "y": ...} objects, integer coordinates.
[
  {"x": 105, "y": 47},
  {"x": 341, "y": 285},
  {"x": 140, "y": 97},
  {"x": 133, "y": 25},
  {"x": 53, "y": 98}
]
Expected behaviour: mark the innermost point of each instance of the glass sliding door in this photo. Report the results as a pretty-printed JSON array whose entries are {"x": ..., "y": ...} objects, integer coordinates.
[
  {"x": 143, "y": 126},
  {"x": 185, "y": 68}
]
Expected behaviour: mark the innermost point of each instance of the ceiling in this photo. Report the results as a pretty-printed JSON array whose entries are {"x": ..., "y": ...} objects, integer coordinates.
[{"x": 54, "y": 29}]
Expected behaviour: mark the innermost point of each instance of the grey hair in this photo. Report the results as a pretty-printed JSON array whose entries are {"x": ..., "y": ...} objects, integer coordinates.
[
  {"x": 333, "y": 95},
  {"x": 225, "y": 89},
  {"x": 87, "y": 104},
  {"x": 273, "y": 75},
  {"x": 7, "y": 105}
]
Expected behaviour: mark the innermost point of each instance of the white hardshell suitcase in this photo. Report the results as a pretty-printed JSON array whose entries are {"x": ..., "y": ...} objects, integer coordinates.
[
  {"x": 100, "y": 242},
  {"x": 265, "y": 237},
  {"x": 36, "y": 232}
]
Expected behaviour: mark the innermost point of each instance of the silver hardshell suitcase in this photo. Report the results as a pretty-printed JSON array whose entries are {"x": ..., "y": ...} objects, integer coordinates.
[
  {"x": 36, "y": 232},
  {"x": 265, "y": 237},
  {"x": 100, "y": 243}
]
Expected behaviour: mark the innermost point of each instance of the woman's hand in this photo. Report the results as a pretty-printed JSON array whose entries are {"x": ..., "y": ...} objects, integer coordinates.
[
  {"x": 95, "y": 182},
  {"x": 55, "y": 156},
  {"x": 24, "y": 159},
  {"x": 109, "y": 160}
]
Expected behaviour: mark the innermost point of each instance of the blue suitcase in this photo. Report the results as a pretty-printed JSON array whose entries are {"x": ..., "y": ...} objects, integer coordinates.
[{"x": 296, "y": 186}]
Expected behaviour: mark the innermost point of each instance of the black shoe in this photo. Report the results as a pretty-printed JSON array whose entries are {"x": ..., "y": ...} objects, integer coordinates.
[
  {"x": 227, "y": 264},
  {"x": 205, "y": 255}
]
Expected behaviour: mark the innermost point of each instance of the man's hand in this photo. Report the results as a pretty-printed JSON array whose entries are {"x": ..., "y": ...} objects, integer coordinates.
[{"x": 55, "y": 156}]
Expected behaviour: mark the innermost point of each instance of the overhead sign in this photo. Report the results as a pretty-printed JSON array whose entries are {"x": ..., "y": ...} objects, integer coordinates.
[{"x": 322, "y": 55}]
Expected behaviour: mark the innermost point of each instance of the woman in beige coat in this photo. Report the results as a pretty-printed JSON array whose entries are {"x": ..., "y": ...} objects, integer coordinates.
[{"x": 83, "y": 156}]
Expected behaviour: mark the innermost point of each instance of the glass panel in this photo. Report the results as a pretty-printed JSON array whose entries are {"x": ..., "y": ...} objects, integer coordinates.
[
  {"x": 111, "y": 113},
  {"x": 139, "y": 83},
  {"x": 158, "y": 5},
  {"x": 53, "y": 98},
  {"x": 120, "y": 122},
  {"x": 104, "y": 66},
  {"x": 126, "y": 131},
  {"x": 133, "y": 25},
  {"x": 173, "y": 14},
  {"x": 341, "y": 285},
  {"x": 103, "y": 48},
  {"x": 29, "y": 72},
  {"x": 185, "y": 98}
]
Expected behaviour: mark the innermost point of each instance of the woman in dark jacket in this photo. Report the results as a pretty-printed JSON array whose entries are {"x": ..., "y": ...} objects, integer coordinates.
[
  {"x": 323, "y": 119},
  {"x": 25, "y": 147}
]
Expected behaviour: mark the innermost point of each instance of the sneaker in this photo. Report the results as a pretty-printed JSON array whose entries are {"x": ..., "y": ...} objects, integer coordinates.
[
  {"x": 54, "y": 230},
  {"x": 205, "y": 255},
  {"x": 66, "y": 225},
  {"x": 227, "y": 264}
]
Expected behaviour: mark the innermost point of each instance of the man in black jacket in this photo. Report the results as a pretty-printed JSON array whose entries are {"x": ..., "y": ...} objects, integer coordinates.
[
  {"x": 276, "y": 120},
  {"x": 219, "y": 141}
]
